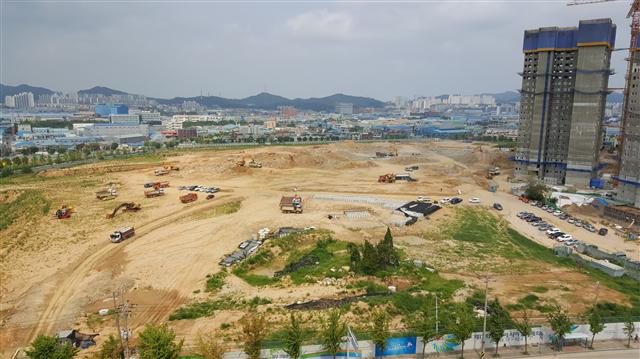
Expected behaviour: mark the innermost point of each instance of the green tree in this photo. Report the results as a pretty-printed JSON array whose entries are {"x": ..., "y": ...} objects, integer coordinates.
[
  {"x": 380, "y": 329},
  {"x": 333, "y": 329},
  {"x": 386, "y": 252},
  {"x": 524, "y": 327},
  {"x": 629, "y": 328},
  {"x": 596, "y": 323},
  {"x": 497, "y": 323},
  {"x": 462, "y": 324},
  {"x": 209, "y": 347},
  {"x": 535, "y": 191},
  {"x": 158, "y": 342},
  {"x": 294, "y": 336},
  {"x": 254, "y": 332},
  {"x": 111, "y": 349},
  {"x": 370, "y": 262},
  {"x": 354, "y": 255},
  {"x": 425, "y": 325},
  {"x": 45, "y": 347},
  {"x": 114, "y": 146},
  {"x": 560, "y": 324}
]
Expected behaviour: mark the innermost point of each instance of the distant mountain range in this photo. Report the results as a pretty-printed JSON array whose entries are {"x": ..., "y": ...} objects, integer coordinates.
[
  {"x": 100, "y": 90},
  {"x": 6, "y": 90},
  {"x": 263, "y": 100},
  {"x": 268, "y": 101}
]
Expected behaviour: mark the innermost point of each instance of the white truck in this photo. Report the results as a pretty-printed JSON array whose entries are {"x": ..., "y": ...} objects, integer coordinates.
[{"x": 122, "y": 234}]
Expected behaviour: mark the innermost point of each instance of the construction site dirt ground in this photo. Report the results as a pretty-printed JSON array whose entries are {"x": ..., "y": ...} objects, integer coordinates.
[{"x": 55, "y": 273}]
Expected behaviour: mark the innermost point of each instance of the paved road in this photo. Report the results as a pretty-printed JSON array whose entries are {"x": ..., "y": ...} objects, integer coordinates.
[{"x": 610, "y": 354}]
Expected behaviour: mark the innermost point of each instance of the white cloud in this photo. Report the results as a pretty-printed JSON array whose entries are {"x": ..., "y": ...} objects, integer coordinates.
[{"x": 322, "y": 23}]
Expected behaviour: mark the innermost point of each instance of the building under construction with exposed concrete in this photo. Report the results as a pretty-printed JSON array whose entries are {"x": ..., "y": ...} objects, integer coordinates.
[
  {"x": 629, "y": 177},
  {"x": 564, "y": 88}
]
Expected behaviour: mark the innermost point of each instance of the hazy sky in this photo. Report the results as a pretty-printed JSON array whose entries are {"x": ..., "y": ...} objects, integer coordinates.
[{"x": 294, "y": 49}]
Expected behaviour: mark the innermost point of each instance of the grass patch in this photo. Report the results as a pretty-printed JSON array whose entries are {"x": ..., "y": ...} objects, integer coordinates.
[
  {"x": 540, "y": 289},
  {"x": 215, "y": 282},
  {"x": 30, "y": 203},
  {"x": 221, "y": 210},
  {"x": 330, "y": 254},
  {"x": 528, "y": 301},
  {"x": 208, "y": 308}
]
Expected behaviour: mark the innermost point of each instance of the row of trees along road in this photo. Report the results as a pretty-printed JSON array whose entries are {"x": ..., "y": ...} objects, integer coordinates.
[{"x": 159, "y": 342}]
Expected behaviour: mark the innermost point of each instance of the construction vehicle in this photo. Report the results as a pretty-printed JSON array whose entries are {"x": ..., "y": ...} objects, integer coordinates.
[
  {"x": 493, "y": 172},
  {"x": 107, "y": 194},
  {"x": 387, "y": 178},
  {"x": 172, "y": 168},
  {"x": 64, "y": 212},
  {"x": 126, "y": 206},
  {"x": 154, "y": 193},
  {"x": 291, "y": 204},
  {"x": 156, "y": 185},
  {"x": 188, "y": 198},
  {"x": 122, "y": 234},
  {"x": 160, "y": 172}
]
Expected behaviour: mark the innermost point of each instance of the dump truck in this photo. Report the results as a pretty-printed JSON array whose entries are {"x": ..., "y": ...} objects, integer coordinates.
[
  {"x": 64, "y": 212},
  {"x": 291, "y": 204},
  {"x": 387, "y": 178},
  {"x": 188, "y": 198},
  {"x": 121, "y": 234},
  {"x": 107, "y": 194},
  {"x": 154, "y": 193},
  {"x": 160, "y": 172},
  {"x": 126, "y": 206}
]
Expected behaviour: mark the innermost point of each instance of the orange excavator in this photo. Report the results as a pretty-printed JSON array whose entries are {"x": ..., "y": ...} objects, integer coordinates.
[
  {"x": 387, "y": 178},
  {"x": 126, "y": 206}
]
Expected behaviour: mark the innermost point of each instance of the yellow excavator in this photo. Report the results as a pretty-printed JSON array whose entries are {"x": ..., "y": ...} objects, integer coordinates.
[{"x": 126, "y": 206}]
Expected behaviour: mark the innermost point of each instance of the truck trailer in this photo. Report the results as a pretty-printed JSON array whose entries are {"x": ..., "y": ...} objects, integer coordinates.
[
  {"x": 122, "y": 234},
  {"x": 291, "y": 204}
]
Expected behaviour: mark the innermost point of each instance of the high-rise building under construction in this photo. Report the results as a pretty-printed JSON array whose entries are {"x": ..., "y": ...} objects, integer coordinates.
[
  {"x": 629, "y": 176},
  {"x": 564, "y": 88}
]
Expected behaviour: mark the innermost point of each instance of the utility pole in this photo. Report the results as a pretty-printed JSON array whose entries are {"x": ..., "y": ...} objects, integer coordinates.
[
  {"x": 117, "y": 313},
  {"x": 484, "y": 320},
  {"x": 125, "y": 310},
  {"x": 595, "y": 301},
  {"x": 436, "y": 314}
]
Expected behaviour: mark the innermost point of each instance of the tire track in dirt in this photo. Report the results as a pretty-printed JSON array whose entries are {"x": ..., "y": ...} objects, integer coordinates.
[{"x": 66, "y": 289}]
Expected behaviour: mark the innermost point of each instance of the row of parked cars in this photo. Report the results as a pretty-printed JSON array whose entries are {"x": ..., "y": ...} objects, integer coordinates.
[
  {"x": 446, "y": 200},
  {"x": 204, "y": 189},
  {"x": 572, "y": 220},
  {"x": 551, "y": 231}
]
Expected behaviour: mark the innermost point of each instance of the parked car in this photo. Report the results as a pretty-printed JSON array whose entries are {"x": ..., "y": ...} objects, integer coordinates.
[
  {"x": 603, "y": 231},
  {"x": 539, "y": 204},
  {"x": 424, "y": 199},
  {"x": 571, "y": 220},
  {"x": 550, "y": 209},
  {"x": 565, "y": 237},
  {"x": 557, "y": 213},
  {"x": 563, "y": 216},
  {"x": 557, "y": 234},
  {"x": 445, "y": 200},
  {"x": 497, "y": 206},
  {"x": 553, "y": 230},
  {"x": 474, "y": 200}
]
